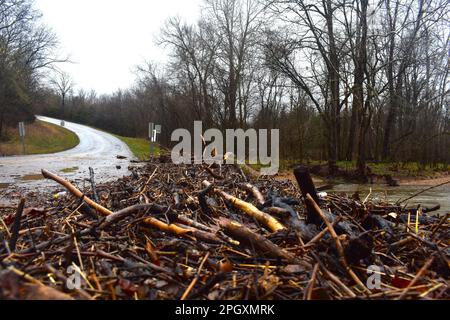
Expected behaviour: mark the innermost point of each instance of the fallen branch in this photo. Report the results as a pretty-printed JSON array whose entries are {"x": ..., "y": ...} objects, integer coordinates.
[
  {"x": 77, "y": 193},
  {"x": 181, "y": 231},
  {"x": 121, "y": 214},
  {"x": 254, "y": 241},
  {"x": 264, "y": 218}
]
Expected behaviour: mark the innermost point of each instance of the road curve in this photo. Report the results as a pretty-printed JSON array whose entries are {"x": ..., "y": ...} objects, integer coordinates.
[{"x": 97, "y": 149}]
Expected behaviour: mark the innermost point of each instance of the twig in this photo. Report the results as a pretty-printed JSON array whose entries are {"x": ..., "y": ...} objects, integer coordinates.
[
  {"x": 422, "y": 191},
  {"x": 194, "y": 281},
  {"x": 312, "y": 281},
  {"x": 339, "y": 247},
  {"x": 16, "y": 226},
  {"x": 416, "y": 278}
]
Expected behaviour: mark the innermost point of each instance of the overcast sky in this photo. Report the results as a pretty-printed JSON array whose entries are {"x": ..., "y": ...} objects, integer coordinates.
[{"x": 106, "y": 38}]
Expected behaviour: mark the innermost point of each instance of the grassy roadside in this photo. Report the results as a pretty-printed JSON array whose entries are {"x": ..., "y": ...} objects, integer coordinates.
[
  {"x": 41, "y": 137},
  {"x": 140, "y": 147}
]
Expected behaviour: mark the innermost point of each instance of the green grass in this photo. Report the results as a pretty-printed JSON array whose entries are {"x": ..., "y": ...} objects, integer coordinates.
[
  {"x": 41, "y": 137},
  {"x": 140, "y": 147},
  {"x": 396, "y": 169}
]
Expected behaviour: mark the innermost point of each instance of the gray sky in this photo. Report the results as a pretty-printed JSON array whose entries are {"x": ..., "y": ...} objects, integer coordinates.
[{"x": 106, "y": 38}]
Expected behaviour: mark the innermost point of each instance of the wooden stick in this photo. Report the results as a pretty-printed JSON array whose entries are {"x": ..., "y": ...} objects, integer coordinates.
[
  {"x": 338, "y": 243},
  {"x": 16, "y": 226},
  {"x": 312, "y": 281},
  {"x": 166, "y": 227},
  {"x": 188, "y": 232},
  {"x": 254, "y": 241},
  {"x": 416, "y": 278},
  {"x": 121, "y": 214},
  {"x": 194, "y": 281},
  {"x": 77, "y": 193},
  {"x": 264, "y": 218},
  {"x": 319, "y": 236},
  {"x": 306, "y": 185},
  {"x": 333, "y": 277}
]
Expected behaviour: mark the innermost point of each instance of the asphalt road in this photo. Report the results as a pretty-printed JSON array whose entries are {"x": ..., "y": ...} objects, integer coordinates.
[{"x": 97, "y": 149}]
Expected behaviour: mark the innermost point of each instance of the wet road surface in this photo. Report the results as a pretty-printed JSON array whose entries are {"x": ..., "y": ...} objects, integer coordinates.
[{"x": 97, "y": 149}]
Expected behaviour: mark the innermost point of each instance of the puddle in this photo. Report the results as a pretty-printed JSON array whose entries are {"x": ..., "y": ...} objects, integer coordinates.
[
  {"x": 31, "y": 177},
  {"x": 69, "y": 170}
]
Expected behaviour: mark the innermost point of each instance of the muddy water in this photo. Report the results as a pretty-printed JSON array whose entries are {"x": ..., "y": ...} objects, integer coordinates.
[{"x": 439, "y": 195}]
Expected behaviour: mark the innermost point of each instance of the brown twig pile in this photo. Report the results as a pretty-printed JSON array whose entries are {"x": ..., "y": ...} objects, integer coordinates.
[{"x": 210, "y": 232}]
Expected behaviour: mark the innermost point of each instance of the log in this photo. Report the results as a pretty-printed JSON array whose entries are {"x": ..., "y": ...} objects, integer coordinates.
[{"x": 306, "y": 185}]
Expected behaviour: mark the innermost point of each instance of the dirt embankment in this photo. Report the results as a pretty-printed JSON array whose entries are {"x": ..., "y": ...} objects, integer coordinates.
[{"x": 424, "y": 181}]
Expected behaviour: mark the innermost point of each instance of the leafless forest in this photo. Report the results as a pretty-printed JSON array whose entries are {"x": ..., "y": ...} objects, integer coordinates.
[{"x": 359, "y": 80}]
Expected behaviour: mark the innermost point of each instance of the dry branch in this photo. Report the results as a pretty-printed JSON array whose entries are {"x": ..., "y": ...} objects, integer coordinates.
[
  {"x": 264, "y": 218},
  {"x": 77, "y": 193}
]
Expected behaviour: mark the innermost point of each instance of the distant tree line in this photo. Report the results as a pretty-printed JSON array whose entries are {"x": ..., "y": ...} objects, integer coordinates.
[{"x": 342, "y": 79}]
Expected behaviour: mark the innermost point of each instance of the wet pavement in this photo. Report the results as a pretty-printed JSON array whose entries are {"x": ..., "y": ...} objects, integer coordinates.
[{"x": 97, "y": 149}]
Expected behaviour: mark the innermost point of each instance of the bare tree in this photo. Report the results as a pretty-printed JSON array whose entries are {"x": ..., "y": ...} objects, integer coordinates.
[{"x": 63, "y": 84}]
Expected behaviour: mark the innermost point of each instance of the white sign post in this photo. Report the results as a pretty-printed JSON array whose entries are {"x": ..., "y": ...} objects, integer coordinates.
[
  {"x": 153, "y": 130},
  {"x": 151, "y": 127},
  {"x": 22, "y": 135}
]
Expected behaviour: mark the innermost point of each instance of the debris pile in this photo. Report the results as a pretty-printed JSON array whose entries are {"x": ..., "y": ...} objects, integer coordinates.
[{"x": 214, "y": 232}]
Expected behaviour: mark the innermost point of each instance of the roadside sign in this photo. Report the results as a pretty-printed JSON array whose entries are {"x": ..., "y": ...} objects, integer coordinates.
[
  {"x": 22, "y": 135},
  {"x": 22, "y": 129},
  {"x": 153, "y": 130},
  {"x": 151, "y": 127}
]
